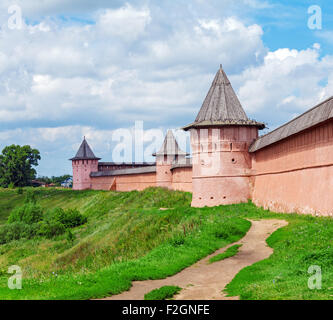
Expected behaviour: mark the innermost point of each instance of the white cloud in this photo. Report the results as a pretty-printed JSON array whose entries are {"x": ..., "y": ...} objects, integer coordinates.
[
  {"x": 63, "y": 75},
  {"x": 126, "y": 22},
  {"x": 287, "y": 83},
  {"x": 61, "y": 80},
  {"x": 205, "y": 43}
]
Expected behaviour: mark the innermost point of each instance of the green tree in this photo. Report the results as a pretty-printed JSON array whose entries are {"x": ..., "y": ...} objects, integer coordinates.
[{"x": 16, "y": 165}]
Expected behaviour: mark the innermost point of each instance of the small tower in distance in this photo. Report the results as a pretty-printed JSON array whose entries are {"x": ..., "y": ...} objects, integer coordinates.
[
  {"x": 220, "y": 139},
  {"x": 168, "y": 155},
  {"x": 83, "y": 164}
]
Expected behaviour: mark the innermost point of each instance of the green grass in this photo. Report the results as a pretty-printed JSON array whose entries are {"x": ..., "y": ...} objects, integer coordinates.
[
  {"x": 163, "y": 293},
  {"x": 230, "y": 252},
  {"x": 306, "y": 241},
  {"x": 127, "y": 237}
]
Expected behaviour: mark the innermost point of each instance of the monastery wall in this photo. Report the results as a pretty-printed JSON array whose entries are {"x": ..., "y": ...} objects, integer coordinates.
[
  {"x": 103, "y": 183},
  {"x": 135, "y": 182},
  {"x": 124, "y": 182},
  {"x": 182, "y": 179},
  {"x": 296, "y": 174}
]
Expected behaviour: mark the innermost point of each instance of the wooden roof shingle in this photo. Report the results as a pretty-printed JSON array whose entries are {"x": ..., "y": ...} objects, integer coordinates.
[
  {"x": 85, "y": 152},
  {"x": 170, "y": 147},
  {"x": 222, "y": 107}
]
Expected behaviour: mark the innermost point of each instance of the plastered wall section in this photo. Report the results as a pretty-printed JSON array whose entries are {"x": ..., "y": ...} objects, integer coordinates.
[
  {"x": 296, "y": 174},
  {"x": 182, "y": 179},
  {"x": 124, "y": 182}
]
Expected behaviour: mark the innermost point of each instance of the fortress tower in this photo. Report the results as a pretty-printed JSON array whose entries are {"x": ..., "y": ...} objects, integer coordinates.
[
  {"x": 220, "y": 140},
  {"x": 170, "y": 154},
  {"x": 83, "y": 164}
]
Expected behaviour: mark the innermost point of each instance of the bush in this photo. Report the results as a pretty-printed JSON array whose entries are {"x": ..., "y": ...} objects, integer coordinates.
[
  {"x": 11, "y": 185},
  {"x": 29, "y": 213},
  {"x": 58, "y": 220},
  {"x": 69, "y": 218},
  {"x": 16, "y": 231},
  {"x": 30, "y": 196},
  {"x": 51, "y": 228},
  {"x": 70, "y": 236}
]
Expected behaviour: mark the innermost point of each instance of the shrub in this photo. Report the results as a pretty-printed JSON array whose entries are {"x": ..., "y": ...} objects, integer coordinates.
[
  {"x": 30, "y": 196},
  {"x": 29, "y": 213},
  {"x": 58, "y": 220},
  {"x": 51, "y": 228},
  {"x": 11, "y": 185},
  {"x": 16, "y": 231},
  {"x": 69, "y": 218},
  {"x": 70, "y": 236}
]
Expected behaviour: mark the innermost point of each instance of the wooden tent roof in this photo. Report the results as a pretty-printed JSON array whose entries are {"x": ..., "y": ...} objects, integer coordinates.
[
  {"x": 222, "y": 107},
  {"x": 85, "y": 152},
  {"x": 170, "y": 147}
]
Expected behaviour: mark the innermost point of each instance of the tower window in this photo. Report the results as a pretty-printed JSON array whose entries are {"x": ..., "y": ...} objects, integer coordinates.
[{"x": 230, "y": 146}]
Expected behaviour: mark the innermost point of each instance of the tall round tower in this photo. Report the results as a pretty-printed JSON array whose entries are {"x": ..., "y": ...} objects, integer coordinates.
[
  {"x": 169, "y": 155},
  {"x": 83, "y": 164},
  {"x": 220, "y": 139}
]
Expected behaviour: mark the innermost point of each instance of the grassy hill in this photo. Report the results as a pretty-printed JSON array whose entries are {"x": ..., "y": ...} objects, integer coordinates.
[
  {"x": 154, "y": 234},
  {"x": 128, "y": 236}
]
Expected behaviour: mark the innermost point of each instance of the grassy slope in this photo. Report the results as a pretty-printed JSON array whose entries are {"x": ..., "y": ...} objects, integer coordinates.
[
  {"x": 306, "y": 241},
  {"x": 126, "y": 238}
]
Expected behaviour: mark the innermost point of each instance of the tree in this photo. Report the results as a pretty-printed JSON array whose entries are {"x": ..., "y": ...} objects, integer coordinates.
[{"x": 16, "y": 165}]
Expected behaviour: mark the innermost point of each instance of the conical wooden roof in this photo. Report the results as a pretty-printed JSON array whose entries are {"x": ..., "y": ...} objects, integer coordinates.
[
  {"x": 170, "y": 146},
  {"x": 221, "y": 106},
  {"x": 85, "y": 152}
]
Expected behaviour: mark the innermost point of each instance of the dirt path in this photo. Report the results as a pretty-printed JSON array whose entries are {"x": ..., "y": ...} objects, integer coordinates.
[{"x": 203, "y": 281}]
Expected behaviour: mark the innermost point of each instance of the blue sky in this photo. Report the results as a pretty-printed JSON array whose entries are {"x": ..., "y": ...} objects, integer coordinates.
[{"x": 85, "y": 67}]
